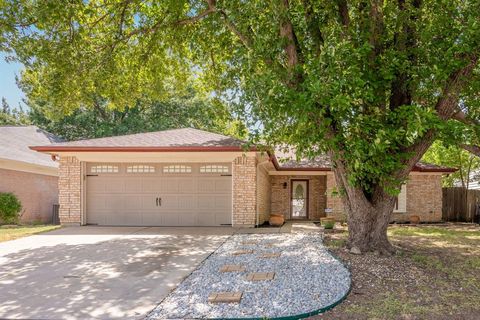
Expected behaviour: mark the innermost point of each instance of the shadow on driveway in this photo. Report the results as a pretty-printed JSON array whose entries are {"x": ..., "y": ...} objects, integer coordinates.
[{"x": 98, "y": 272}]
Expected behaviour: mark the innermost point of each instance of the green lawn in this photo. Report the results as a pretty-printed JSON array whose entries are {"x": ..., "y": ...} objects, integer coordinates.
[
  {"x": 434, "y": 275},
  {"x": 12, "y": 233}
]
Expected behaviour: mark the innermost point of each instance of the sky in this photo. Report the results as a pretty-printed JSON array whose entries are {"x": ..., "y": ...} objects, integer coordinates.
[{"x": 8, "y": 86}]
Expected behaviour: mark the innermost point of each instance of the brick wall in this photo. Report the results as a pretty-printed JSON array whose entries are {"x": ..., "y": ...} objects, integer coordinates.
[
  {"x": 263, "y": 195},
  {"x": 280, "y": 199},
  {"x": 69, "y": 191},
  {"x": 244, "y": 176},
  {"x": 424, "y": 198},
  {"x": 37, "y": 193},
  {"x": 334, "y": 202}
]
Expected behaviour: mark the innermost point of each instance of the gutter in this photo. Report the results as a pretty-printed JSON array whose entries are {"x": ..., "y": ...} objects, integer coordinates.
[{"x": 139, "y": 149}]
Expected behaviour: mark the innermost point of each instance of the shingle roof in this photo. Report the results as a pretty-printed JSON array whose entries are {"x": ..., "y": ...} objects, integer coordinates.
[
  {"x": 14, "y": 142},
  {"x": 193, "y": 139},
  {"x": 286, "y": 161},
  {"x": 187, "y": 137}
]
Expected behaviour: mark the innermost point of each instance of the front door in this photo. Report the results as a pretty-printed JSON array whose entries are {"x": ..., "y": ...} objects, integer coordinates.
[{"x": 299, "y": 199}]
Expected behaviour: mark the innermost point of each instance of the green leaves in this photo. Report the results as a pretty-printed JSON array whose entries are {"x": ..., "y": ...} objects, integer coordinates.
[{"x": 365, "y": 84}]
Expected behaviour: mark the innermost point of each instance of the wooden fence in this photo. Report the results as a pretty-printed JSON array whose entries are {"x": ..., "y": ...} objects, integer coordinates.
[{"x": 460, "y": 204}]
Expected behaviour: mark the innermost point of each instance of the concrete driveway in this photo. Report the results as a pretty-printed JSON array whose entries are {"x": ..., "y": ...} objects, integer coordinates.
[{"x": 98, "y": 272}]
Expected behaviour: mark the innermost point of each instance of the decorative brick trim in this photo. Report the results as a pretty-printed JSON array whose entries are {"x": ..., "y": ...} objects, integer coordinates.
[{"x": 69, "y": 191}]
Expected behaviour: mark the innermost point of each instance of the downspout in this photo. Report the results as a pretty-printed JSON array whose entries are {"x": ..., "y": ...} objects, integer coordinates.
[{"x": 257, "y": 215}]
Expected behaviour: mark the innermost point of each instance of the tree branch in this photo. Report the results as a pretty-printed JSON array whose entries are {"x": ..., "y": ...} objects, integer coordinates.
[
  {"x": 473, "y": 149},
  {"x": 313, "y": 26},
  {"x": 342, "y": 6},
  {"x": 212, "y": 8},
  {"x": 405, "y": 40},
  {"x": 286, "y": 32},
  {"x": 447, "y": 103}
]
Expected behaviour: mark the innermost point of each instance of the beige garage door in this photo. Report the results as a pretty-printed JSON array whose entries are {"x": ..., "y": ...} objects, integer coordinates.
[{"x": 188, "y": 194}]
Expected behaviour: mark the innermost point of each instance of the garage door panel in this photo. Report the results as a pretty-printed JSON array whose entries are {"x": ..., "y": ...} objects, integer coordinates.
[
  {"x": 115, "y": 203},
  {"x": 169, "y": 202},
  {"x": 115, "y": 185},
  {"x": 96, "y": 202},
  {"x": 206, "y": 185},
  {"x": 134, "y": 185},
  {"x": 222, "y": 218},
  {"x": 188, "y": 202},
  {"x": 187, "y": 199},
  {"x": 126, "y": 218},
  {"x": 186, "y": 185},
  {"x": 148, "y": 202},
  {"x": 223, "y": 202},
  {"x": 133, "y": 202},
  {"x": 168, "y": 185},
  {"x": 206, "y": 219},
  {"x": 152, "y": 219},
  {"x": 96, "y": 218},
  {"x": 223, "y": 185},
  {"x": 95, "y": 185},
  {"x": 150, "y": 185}
]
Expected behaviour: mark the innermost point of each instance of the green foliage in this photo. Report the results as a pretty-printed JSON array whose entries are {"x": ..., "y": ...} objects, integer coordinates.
[
  {"x": 328, "y": 224},
  {"x": 454, "y": 157},
  {"x": 10, "y": 207},
  {"x": 100, "y": 120},
  {"x": 12, "y": 117},
  {"x": 368, "y": 82}
]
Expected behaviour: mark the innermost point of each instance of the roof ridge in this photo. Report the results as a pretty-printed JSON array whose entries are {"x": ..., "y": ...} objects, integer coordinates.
[{"x": 150, "y": 132}]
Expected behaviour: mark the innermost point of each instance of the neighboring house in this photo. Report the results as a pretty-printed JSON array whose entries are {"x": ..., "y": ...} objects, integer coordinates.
[
  {"x": 189, "y": 177},
  {"x": 474, "y": 181},
  {"x": 32, "y": 176}
]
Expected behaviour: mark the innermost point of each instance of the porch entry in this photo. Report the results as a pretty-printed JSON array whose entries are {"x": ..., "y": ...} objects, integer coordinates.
[{"x": 299, "y": 199}]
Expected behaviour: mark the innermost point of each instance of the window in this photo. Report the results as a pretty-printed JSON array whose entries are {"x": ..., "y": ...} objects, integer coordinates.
[
  {"x": 104, "y": 168},
  {"x": 140, "y": 168},
  {"x": 177, "y": 168},
  {"x": 213, "y": 168},
  {"x": 401, "y": 200}
]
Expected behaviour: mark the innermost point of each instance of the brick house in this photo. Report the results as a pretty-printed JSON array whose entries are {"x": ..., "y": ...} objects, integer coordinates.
[
  {"x": 189, "y": 177},
  {"x": 30, "y": 175}
]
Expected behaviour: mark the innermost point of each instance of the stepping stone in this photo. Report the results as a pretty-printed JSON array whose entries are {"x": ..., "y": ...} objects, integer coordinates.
[
  {"x": 240, "y": 252},
  {"x": 232, "y": 268},
  {"x": 270, "y": 255},
  {"x": 225, "y": 297},
  {"x": 249, "y": 243},
  {"x": 269, "y": 245},
  {"x": 260, "y": 276}
]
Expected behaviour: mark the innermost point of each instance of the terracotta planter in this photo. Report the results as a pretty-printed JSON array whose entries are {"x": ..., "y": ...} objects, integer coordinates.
[
  {"x": 276, "y": 220},
  {"x": 414, "y": 219}
]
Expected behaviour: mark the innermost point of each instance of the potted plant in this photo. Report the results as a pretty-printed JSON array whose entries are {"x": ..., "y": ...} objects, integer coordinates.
[
  {"x": 414, "y": 219},
  {"x": 276, "y": 220},
  {"x": 327, "y": 223}
]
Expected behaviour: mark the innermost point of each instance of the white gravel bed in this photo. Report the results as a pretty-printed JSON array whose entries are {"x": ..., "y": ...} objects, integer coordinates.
[{"x": 307, "y": 278}]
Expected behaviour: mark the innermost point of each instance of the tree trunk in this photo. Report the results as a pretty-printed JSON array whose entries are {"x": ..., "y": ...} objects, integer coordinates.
[
  {"x": 368, "y": 224},
  {"x": 368, "y": 219}
]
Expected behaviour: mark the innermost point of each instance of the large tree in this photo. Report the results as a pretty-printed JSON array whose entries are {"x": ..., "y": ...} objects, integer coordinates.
[{"x": 370, "y": 83}]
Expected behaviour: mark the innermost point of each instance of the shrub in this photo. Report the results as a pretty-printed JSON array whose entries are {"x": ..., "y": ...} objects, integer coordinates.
[
  {"x": 328, "y": 224},
  {"x": 10, "y": 207}
]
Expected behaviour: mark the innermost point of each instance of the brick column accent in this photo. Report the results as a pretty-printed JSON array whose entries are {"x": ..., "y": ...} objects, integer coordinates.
[
  {"x": 334, "y": 202},
  {"x": 244, "y": 177},
  {"x": 69, "y": 191}
]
